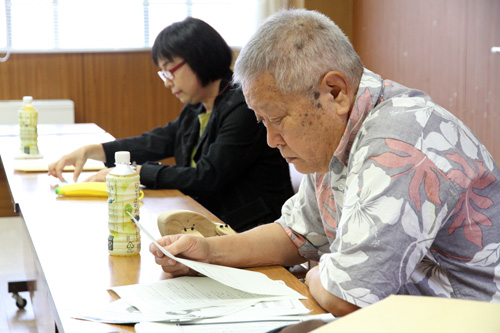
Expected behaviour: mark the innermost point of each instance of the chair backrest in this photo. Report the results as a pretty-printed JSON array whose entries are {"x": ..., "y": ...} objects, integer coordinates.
[{"x": 50, "y": 111}]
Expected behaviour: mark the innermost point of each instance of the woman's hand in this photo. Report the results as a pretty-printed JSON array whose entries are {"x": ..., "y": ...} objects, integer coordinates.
[
  {"x": 99, "y": 176},
  {"x": 77, "y": 159}
]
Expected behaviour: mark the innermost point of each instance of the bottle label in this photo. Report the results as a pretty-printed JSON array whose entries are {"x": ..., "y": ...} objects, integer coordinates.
[
  {"x": 110, "y": 242},
  {"x": 123, "y": 196},
  {"x": 28, "y": 132}
]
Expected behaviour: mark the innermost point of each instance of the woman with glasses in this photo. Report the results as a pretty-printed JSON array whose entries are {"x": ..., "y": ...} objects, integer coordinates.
[{"x": 221, "y": 154}]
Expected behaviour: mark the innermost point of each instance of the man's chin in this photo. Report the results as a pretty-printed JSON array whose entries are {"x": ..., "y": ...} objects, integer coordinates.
[
  {"x": 300, "y": 167},
  {"x": 305, "y": 168}
]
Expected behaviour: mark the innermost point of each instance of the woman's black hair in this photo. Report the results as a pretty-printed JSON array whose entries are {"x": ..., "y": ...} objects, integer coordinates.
[{"x": 200, "y": 45}]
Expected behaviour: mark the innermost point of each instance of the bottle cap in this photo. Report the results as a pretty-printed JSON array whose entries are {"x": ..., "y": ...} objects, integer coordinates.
[
  {"x": 122, "y": 157},
  {"x": 27, "y": 100}
]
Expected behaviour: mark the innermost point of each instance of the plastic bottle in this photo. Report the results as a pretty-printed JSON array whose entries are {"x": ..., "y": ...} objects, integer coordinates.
[
  {"x": 28, "y": 121},
  {"x": 123, "y": 195}
]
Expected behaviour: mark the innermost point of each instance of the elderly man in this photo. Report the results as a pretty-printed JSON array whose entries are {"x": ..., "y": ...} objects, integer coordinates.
[{"x": 399, "y": 197}]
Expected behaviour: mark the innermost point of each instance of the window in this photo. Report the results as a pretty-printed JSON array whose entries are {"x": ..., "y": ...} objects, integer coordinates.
[{"x": 108, "y": 25}]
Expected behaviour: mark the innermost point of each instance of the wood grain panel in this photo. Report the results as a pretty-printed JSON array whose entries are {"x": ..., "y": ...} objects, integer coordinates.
[
  {"x": 124, "y": 95},
  {"x": 419, "y": 44},
  {"x": 340, "y": 11},
  {"x": 441, "y": 47},
  {"x": 483, "y": 73},
  {"x": 43, "y": 76}
]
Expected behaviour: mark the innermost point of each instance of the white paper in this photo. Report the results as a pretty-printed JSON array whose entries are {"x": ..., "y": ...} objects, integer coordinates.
[
  {"x": 257, "y": 327},
  {"x": 122, "y": 312},
  {"x": 42, "y": 165},
  {"x": 287, "y": 309},
  {"x": 265, "y": 324},
  {"x": 186, "y": 293},
  {"x": 249, "y": 281},
  {"x": 117, "y": 312}
]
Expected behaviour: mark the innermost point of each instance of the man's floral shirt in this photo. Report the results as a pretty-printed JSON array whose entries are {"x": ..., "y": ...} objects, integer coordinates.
[{"x": 410, "y": 205}]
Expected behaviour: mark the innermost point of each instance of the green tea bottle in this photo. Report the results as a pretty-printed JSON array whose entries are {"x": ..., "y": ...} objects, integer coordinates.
[
  {"x": 123, "y": 195},
  {"x": 28, "y": 121}
]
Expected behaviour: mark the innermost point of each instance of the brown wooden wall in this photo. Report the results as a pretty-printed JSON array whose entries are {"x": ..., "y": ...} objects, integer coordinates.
[
  {"x": 442, "y": 47},
  {"x": 340, "y": 11}
]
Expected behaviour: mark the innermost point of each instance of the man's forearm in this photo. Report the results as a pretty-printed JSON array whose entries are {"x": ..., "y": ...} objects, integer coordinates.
[
  {"x": 331, "y": 303},
  {"x": 262, "y": 246}
]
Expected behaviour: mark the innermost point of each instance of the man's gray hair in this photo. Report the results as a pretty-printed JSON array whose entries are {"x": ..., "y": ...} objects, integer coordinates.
[{"x": 297, "y": 47}]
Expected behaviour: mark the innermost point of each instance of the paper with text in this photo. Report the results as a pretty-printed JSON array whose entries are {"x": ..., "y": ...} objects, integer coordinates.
[
  {"x": 187, "y": 293},
  {"x": 123, "y": 312}
]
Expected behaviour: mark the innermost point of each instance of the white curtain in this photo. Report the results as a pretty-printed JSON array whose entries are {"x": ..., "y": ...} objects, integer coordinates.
[
  {"x": 63, "y": 25},
  {"x": 5, "y": 39}
]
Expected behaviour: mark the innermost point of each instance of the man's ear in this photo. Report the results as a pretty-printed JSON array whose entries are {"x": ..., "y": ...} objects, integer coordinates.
[{"x": 335, "y": 84}]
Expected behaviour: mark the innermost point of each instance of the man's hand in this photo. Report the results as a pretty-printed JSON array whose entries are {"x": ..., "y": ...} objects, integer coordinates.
[
  {"x": 182, "y": 246},
  {"x": 264, "y": 245}
]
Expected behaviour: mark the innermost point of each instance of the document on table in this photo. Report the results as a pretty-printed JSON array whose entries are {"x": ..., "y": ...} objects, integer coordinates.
[
  {"x": 260, "y": 325},
  {"x": 42, "y": 165},
  {"x": 188, "y": 293},
  {"x": 123, "y": 312}
]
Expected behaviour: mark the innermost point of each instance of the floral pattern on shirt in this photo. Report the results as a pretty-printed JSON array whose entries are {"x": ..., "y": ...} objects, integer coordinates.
[{"x": 410, "y": 205}]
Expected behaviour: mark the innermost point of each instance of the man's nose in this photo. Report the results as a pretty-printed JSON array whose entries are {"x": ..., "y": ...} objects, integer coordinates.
[{"x": 274, "y": 138}]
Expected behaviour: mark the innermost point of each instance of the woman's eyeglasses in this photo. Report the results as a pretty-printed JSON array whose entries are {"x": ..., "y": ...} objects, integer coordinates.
[{"x": 164, "y": 75}]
